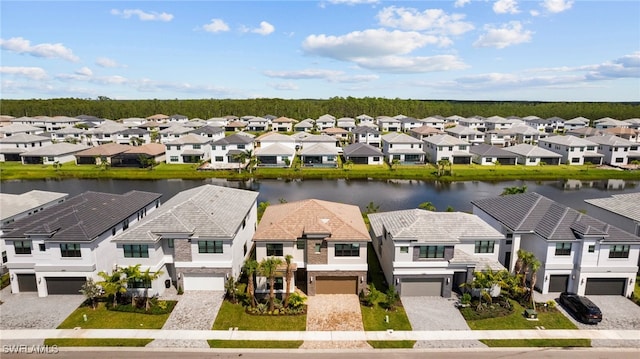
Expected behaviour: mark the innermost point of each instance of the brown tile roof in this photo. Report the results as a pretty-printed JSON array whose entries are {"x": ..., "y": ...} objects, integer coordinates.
[
  {"x": 158, "y": 116},
  {"x": 290, "y": 221},
  {"x": 108, "y": 149}
]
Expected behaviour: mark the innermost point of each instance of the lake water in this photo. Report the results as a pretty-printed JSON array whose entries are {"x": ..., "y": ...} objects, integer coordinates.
[{"x": 389, "y": 194}]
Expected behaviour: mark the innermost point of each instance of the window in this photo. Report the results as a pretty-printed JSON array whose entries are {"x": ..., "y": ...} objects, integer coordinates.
[
  {"x": 241, "y": 147},
  {"x": 592, "y": 248},
  {"x": 563, "y": 249},
  {"x": 278, "y": 283},
  {"x": 484, "y": 246},
  {"x": 42, "y": 247},
  {"x": 619, "y": 251},
  {"x": 4, "y": 257},
  {"x": 174, "y": 159},
  {"x": 125, "y": 224},
  {"x": 300, "y": 243},
  {"x": 178, "y": 148},
  {"x": 274, "y": 249},
  {"x": 22, "y": 247},
  {"x": 219, "y": 158},
  {"x": 196, "y": 147},
  {"x": 348, "y": 250},
  {"x": 138, "y": 283},
  {"x": 404, "y": 249},
  {"x": 317, "y": 248},
  {"x": 113, "y": 231},
  {"x": 431, "y": 252},
  {"x": 376, "y": 159},
  {"x": 171, "y": 242},
  {"x": 619, "y": 160},
  {"x": 70, "y": 249},
  {"x": 136, "y": 250},
  {"x": 209, "y": 246},
  {"x": 575, "y": 160},
  {"x": 244, "y": 249}
]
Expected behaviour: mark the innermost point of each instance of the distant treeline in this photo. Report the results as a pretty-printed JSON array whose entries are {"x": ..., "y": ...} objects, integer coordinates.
[{"x": 308, "y": 108}]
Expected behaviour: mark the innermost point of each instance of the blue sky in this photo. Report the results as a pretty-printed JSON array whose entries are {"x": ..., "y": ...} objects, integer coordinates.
[{"x": 544, "y": 50}]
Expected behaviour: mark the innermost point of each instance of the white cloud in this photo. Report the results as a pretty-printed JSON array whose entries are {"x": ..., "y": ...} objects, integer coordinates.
[
  {"x": 508, "y": 34},
  {"x": 23, "y": 46},
  {"x": 320, "y": 74},
  {"x": 284, "y": 86},
  {"x": 216, "y": 25},
  {"x": 367, "y": 43},
  {"x": 107, "y": 62},
  {"x": 461, "y": 3},
  {"x": 627, "y": 66},
  {"x": 142, "y": 15},
  {"x": 506, "y": 7},
  {"x": 84, "y": 71},
  {"x": 432, "y": 20},
  {"x": 398, "y": 64},
  {"x": 556, "y": 6},
  {"x": 34, "y": 73},
  {"x": 264, "y": 29}
]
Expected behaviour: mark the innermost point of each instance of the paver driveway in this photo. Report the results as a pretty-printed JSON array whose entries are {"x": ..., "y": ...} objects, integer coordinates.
[
  {"x": 437, "y": 313},
  {"x": 327, "y": 312}
]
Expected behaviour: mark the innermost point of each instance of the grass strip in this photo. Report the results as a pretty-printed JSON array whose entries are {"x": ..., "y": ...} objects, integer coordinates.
[
  {"x": 234, "y": 316},
  {"x": 550, "y": 343},
  {"x": 97, "y": 342},
  {"x": 101, "y": 318},
  {"x": 258, "y": 344},
  {"x": 392, "y": 344}
]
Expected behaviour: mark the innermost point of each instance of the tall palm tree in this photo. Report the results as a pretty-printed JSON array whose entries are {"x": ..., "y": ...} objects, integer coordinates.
[
  {"x": 289, "y": 276},
  {"x": 427, "y": 206},
  {"x": 250, "y": 268},
  {"x": 534, "y": 264},
  {"x": 147, "y": 278},
  {"x": 268, "y": 268},
  {"x": 132, "y": 273},
  {"x": 113, "y": 284}
]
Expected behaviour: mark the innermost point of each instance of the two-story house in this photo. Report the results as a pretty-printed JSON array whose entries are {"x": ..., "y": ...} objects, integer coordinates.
[
  {"x": 367, "y": 135},
  {"x": 328, "y": 242},
  {"x": 388, "y": 124},
  {"x": 47, "y": 155},
  {"x": 615, "y": 150},
  {"x": 530, "y": 155},
  {"x": 325, "y": 121},
  {"x": 173, "y": 133},
  {"x": 275, "y": 149},
  {"x": 226, "y": 150},
  {"x": 573, "y": 149},
  {"x": 433, "y": 122},
  {"x": 257, "y": 124},
  {"x": 578, "y": 253},
  {"x": 346, "y": 123},
  {"x": 198, "y": 238},
  {"x": 20, "y": 128},
  {"x": 401, "y": 147},
  {"x": 426, "y": 253},
  {"x": 305, "y": 125},
  {"x": 467, "y": 134},
  {"x": 189, "y": 148},
  {"x": 57, "y": 249},
  {"x": 283, "y": 124},
  {"x": 447, "y": 147},
  {"x": 11, "y": 147}
]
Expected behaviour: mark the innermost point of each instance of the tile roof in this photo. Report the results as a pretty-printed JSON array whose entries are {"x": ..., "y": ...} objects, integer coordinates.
[
  {"x": 567, "y": 140},
  {"x": 445, "y": 140},
  {"x": 206, "y": 211},
  {"x": 24, "y": 138},
  {"x": 625, "y": 205},
  {"x": 275, "y": 149},
  {"x": 108, "y": 149},
  {"x": 528, "y": 150},
  {"x": 82, "y": 218},
  {"x": 319, "y": 149},
  {"x": 151, "y": 149},
  {"x": 611, "y": 140},
  {"x": 293, "y": 220},
  {"x": 462, "y": 130},
  {"x": 532, "y": 212},
  {"x": 361, "y": 149},
  {"x": 55, "y": 149},
  {"x": 191, "y": 138},
  {"x": 484, "y": 149},
  {"x": 397, "y": 137},
  {"x": 13, "y": 204},
  {"x": 235, "y": 139}
]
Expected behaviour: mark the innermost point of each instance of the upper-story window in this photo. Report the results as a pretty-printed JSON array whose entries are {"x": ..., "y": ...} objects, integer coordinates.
[
  {"x": 431, "y": 252},
  {"x": 347, "y": 250},
  {"x": 619, "y": 251},
  {"x": 209, "y": 246},
  {"x": 241, "y": 147},
  {"x": 70, "y": 249},
  {"x": 136, "y": 250},
  {"x": 22, "y": 247},
  {"x": 484, "y": 246},
  {"x": 275, "y": 249},
  {"x": 300, "y": 243},
  {"x": 563, "y": 249}
]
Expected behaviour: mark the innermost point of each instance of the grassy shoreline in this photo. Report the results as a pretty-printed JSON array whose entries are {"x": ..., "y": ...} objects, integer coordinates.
[{"x": 17, "y": 171}]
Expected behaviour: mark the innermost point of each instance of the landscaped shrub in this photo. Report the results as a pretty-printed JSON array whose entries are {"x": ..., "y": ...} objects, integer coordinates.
[
  {"x": 157, "y": 307},
  {"x": 499, "y": 308},
  {"x": 371, "y": 296}
]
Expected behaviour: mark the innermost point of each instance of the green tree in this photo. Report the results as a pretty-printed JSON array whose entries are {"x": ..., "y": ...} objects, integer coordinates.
[
  {"x": 92, "y": 292},
  {"x": 147, "y": 277},
  {"x": 513, "y": 190},
  {"x": 535, "y": 265},
  {"x": 262, "y": 206},
  {"x": 288, "y": 259},
  {"x": 231, "y": 288},
  {"x": 57, "y": 165},
  {"x": 348, "y": 164},
  {"x": 442, "y": 166},
  {"x": 392, "y": 298},
  {"x": 113, "y": 284},
  {"x": 250, "y": 267},
  {"x": 394, "y": 164},
  {"x": 427, "y": 206},
  {"x": 450, "y": 209},
  {"x": 371, "y": 208},
  {"x": 268, "y": 268}
]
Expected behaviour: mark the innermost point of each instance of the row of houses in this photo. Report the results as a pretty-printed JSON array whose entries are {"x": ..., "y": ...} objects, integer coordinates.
[{"x": 202, "y": 236}]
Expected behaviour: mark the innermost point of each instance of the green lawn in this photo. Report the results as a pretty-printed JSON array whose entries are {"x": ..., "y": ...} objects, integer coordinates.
[
  {"x": 258, "y": 344},
  {"x": 12, "y": 170},
  {"x": 233, "y": 316},
  {"x": 101, "y": 318},
  {"x": 96, "y": 342},
  {"x": 551, "y": 343}
]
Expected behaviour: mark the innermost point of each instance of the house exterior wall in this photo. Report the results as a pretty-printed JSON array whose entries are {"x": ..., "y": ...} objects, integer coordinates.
[
  {"x": 614, "y": 155},
  {"x": 571, "y": 155}
]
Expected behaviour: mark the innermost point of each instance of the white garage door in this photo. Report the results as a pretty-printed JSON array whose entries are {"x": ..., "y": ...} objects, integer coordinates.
[
  {"x": 203, "y": 282},
  {"x": 421, "y": 287}
]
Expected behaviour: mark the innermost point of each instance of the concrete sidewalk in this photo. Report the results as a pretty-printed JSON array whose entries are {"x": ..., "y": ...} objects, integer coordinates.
[{"x": 319, "y": 335}]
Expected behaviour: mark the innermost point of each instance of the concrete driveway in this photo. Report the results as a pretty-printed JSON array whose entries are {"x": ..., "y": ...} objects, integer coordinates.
[
  {"x": 28, "y": 311},
  {"x": 437, "y": 313},
  {"x": 618, "y": 312}
]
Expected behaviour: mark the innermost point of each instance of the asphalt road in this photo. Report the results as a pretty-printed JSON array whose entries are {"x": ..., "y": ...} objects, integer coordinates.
[{"x": 476, "y": 353}]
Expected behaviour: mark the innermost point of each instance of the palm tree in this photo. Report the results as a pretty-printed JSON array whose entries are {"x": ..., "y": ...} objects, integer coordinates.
[
  {"x": 442, "y": 164},
  {"x": 250, "y": 268},
  {"x": 427, "y": 206},
  {"x": 289, "y": 276},
  {"x": 514, "y": 190},
  {"x": 147, "y": 277},
  {"x": 113, "y": 284},
  {"x": 534, "y": 264},
  {"x": 268, "y": 268},
  {"x": 253, "y": 160},
  {"x": 348, "y": 164},
  {"x": 132, "y": 274}
]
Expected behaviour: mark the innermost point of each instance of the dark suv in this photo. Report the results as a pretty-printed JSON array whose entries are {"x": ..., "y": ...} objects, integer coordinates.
[{"x": 581, "y": 308}]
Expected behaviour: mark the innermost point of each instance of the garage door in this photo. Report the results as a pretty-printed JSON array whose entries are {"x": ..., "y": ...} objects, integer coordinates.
[
  {"x": 422, "y": 287},
  {"x": 203, "y": 282},
  {"x": 336, "y": 285},
  {"x": 65, "y": 285},
  {"x": 27, "y": 283},
  {"x": 558, "y": 283},
  {"x": 605, "y": 286}
]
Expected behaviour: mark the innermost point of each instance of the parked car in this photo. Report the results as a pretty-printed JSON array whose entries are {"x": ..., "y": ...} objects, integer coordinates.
[{"x": 581, "y": 308}]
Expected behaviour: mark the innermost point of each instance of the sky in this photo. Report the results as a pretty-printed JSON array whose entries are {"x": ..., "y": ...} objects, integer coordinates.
[{"x": 495, "y": 50}]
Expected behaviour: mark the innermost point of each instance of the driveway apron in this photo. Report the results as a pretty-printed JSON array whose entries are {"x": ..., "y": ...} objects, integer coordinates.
[
  {"x": 196, "y": 310},
  {"x": 437, "y": 313},
  {"x": 334, "y": 312}
]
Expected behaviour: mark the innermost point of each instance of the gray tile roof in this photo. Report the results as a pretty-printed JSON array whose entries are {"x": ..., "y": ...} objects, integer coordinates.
[
  {"x": 13, "y": 204},
  {"x": 55, "y": 149},
  {"x": 235, "y": 139},
  {"x": 528, "y": 150},
  {"x": 483, "y": 149},
  {"x": 436, "y": 227},
  {"x": 625, "y": 205},
  {"x": 365, "y": 130},
  {"x": 189, "y": 140},
  {"x": 611, "y": 140},
  {"x": 319, "y": 149},
  {"x": 207, "y": 211},
  {"x": 275, "y": 149},
  {"x": 445, "y": 140},
  {"x": 83, "y": 217},
  {"x": 361, "y": 150},
  {"x": 567, "y": 140},
  {"x": 532, "y": 212},
  {"x": 397, "y": 137},
  {"x": 24, "y": 138}
]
